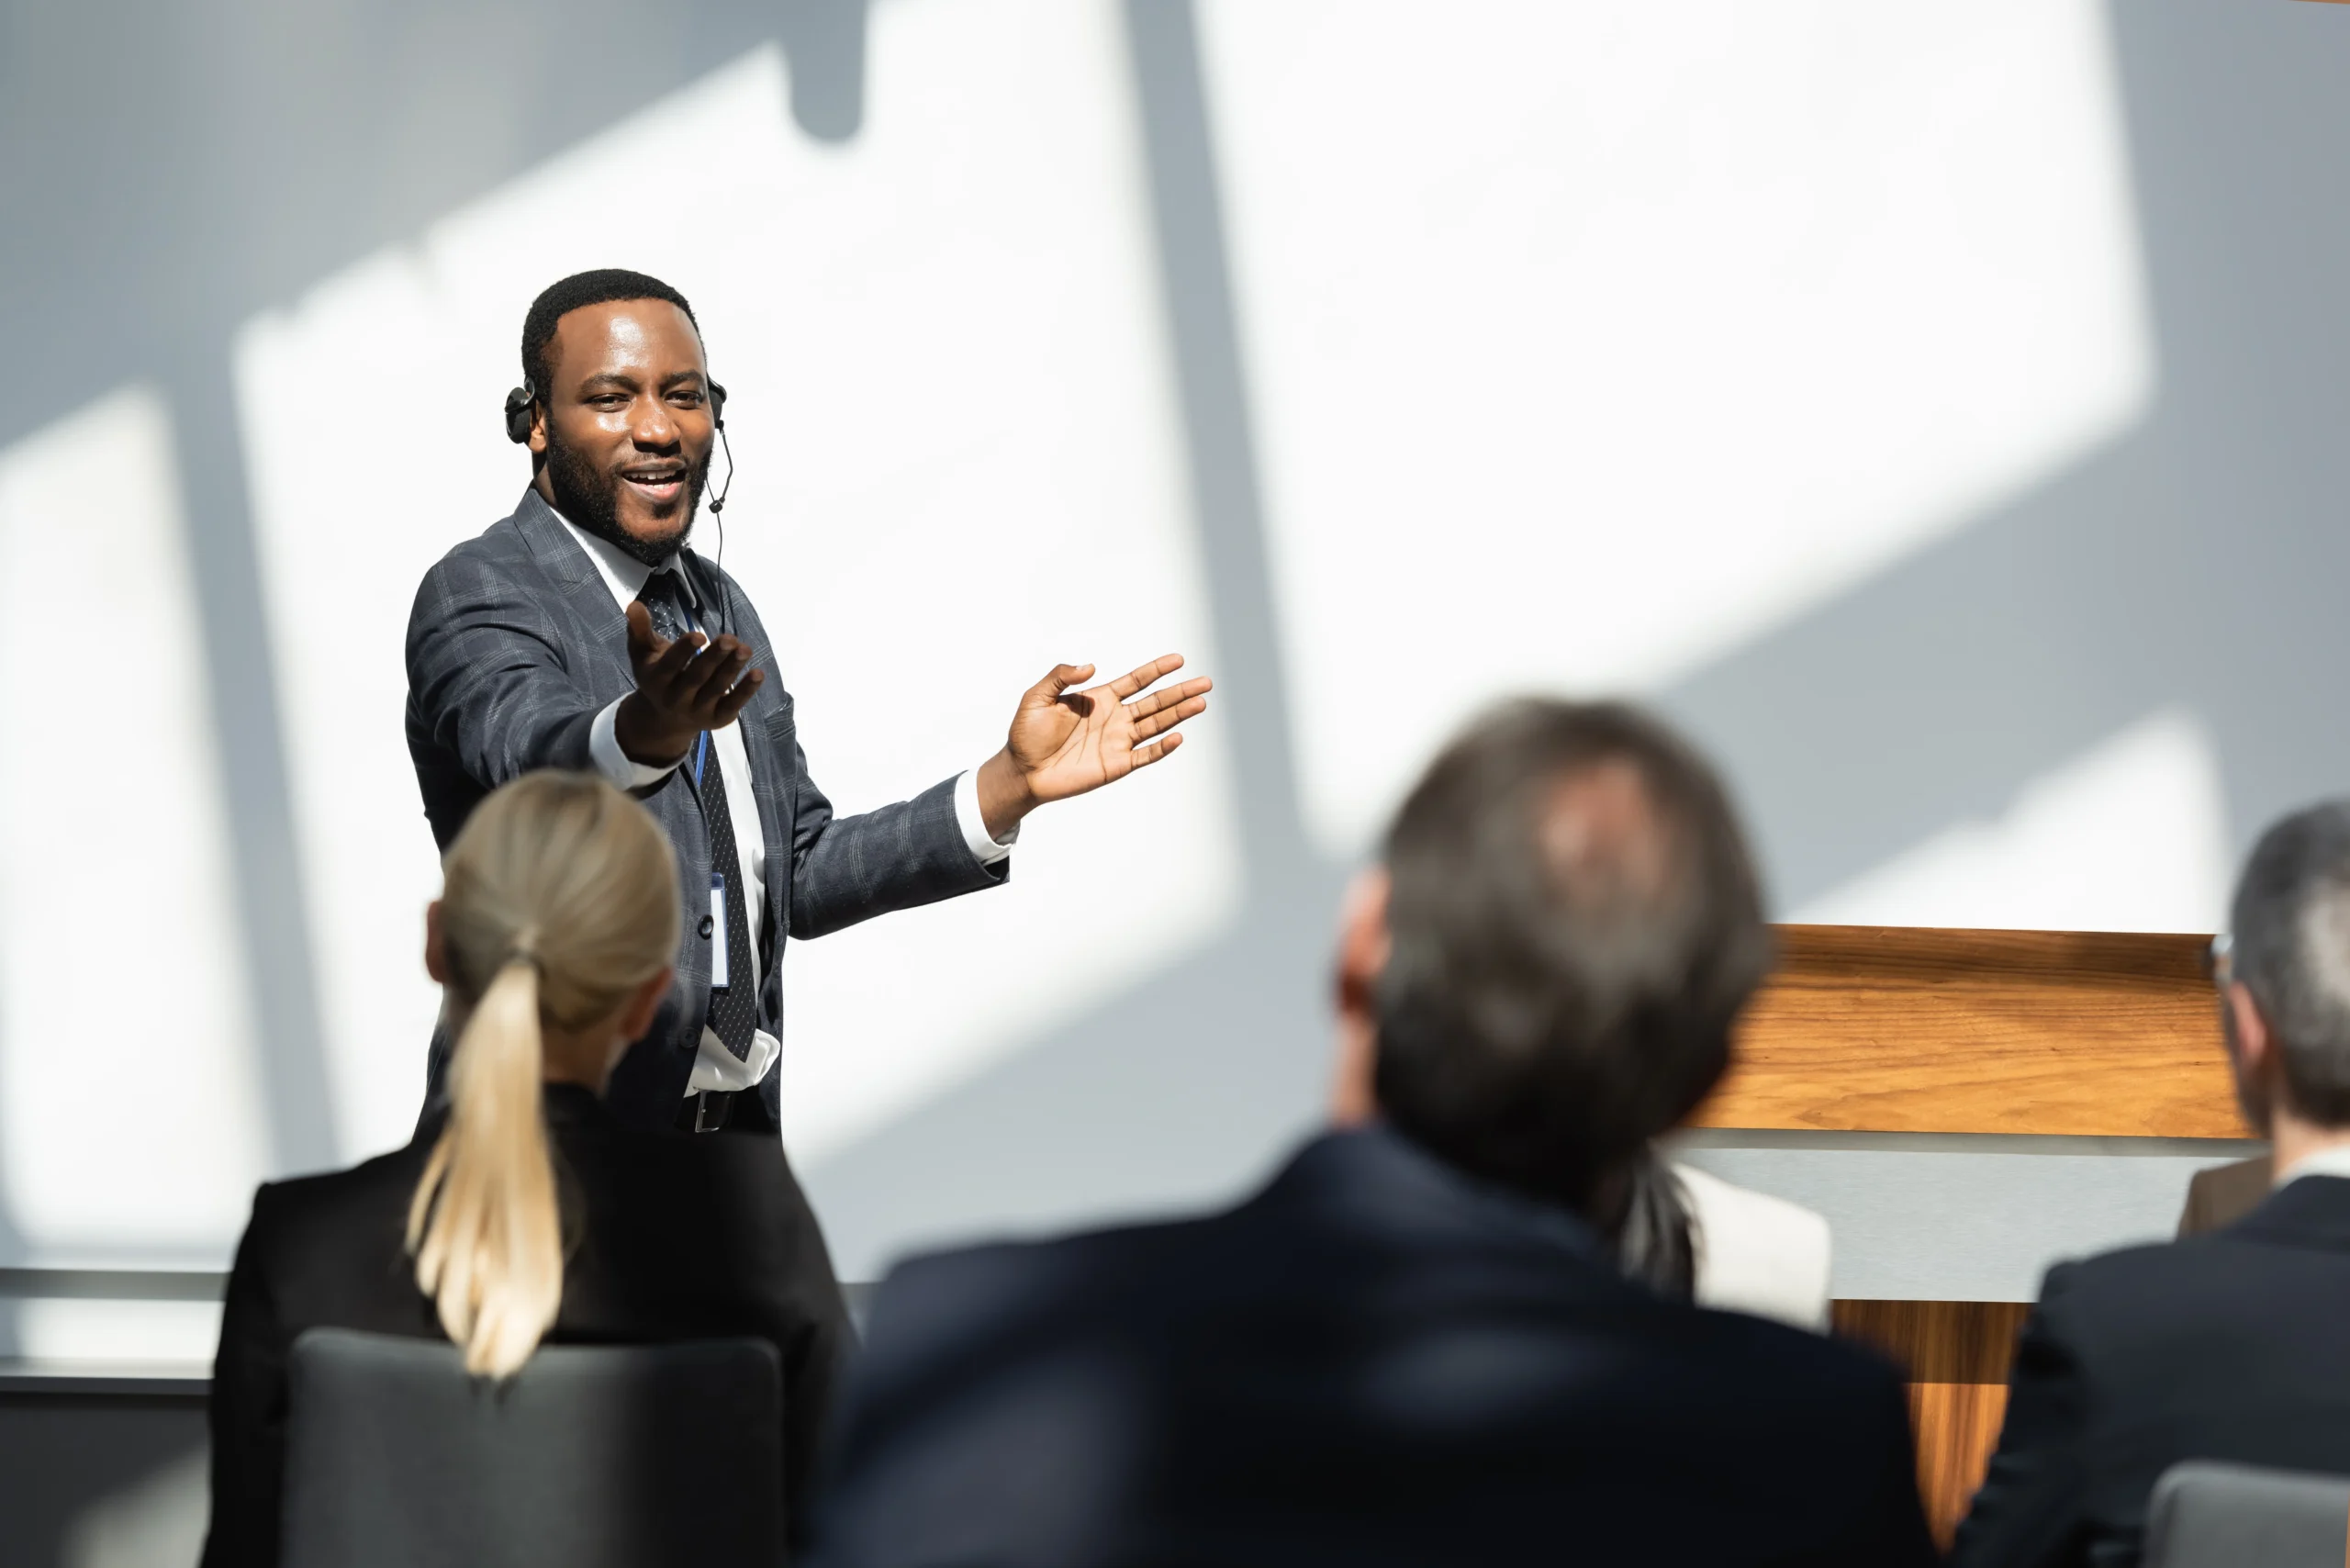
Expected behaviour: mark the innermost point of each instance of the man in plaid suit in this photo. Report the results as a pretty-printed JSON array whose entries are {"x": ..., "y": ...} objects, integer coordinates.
[{"x": 583, "y": 632}]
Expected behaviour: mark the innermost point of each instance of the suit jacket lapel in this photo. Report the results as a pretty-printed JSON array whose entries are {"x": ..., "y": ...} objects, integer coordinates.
[{"x": 582, "y": 587}]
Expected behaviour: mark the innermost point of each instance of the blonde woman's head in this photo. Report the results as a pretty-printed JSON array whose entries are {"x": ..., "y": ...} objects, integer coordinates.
[{"x": 551, "y": 940}]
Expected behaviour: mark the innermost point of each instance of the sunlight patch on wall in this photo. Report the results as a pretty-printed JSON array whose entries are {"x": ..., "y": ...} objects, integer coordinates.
[
  {"x": 118, "y": 1332},
  {"x": 1590, "y": 341},
  {"x": 130, "y": 1121},
  {"x": 2132, "y": 835},
  {"x": 949, "y": 401}
]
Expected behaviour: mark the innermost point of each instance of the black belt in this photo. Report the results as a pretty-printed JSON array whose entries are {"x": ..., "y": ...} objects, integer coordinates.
[{"x": 706, "y": 1110}]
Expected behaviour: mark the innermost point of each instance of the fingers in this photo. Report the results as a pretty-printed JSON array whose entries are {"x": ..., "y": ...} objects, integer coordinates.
[
  {"x": 732, "y": 703},
  {"x": 1060, "y": 678},
  {"x": 1147, "y": 755},
  {"x": 1144, "y": 706},
  {"x": 691, "y": 678},
  {"x": 1166, "y": 719},
  {"x": 659, "y": 678},
  {"x": 642, "y": 644},
  {"x": 1134, "y": 679},
  {"x": 713, "y": 673}
]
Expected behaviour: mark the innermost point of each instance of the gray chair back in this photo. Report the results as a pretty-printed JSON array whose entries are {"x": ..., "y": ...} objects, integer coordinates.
[
  {"x": 2205, "y": 1514},
  {"x": 589, "y": 1457}
]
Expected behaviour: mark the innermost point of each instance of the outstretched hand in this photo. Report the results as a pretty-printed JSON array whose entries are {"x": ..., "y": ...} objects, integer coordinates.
[
  {"x": 683, "y": 687},
  {"x": 1065, "y": 743}
]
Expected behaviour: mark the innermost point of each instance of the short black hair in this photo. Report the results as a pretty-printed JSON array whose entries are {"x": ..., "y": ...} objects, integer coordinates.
[
  {"x": 2291, "y": 921},
  {"x": 577, "y": 292},
  {"x": 1575, "y": 926}
]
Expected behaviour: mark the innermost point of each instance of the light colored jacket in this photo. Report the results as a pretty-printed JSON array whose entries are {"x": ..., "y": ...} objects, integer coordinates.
[{"x": 1756, "y": 1253}]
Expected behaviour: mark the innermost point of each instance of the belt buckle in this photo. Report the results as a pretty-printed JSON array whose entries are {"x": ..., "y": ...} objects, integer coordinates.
[{"x": 710, "y": 1109}]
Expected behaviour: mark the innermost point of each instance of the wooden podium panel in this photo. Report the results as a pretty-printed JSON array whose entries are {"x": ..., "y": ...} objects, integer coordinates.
[
  {"x": 1957, "y": 1355},
  {"x": 1916, "y": 1030}
]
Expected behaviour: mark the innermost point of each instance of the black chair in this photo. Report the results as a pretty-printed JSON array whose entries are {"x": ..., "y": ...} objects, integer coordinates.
[
  {"x": 2209, "y": 1515},
  {"x": 589, "y": 1457}
]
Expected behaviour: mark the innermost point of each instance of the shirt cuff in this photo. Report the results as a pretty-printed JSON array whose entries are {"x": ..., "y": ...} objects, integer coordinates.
[
  {"x": 985, "y": 850},
  {"x": 604, "y": 747},
  {"x": 716, "y": 1067}
]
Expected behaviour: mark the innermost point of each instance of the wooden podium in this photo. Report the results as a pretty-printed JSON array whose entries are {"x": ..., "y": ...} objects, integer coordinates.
[{"x": 1867, "y": 1029}]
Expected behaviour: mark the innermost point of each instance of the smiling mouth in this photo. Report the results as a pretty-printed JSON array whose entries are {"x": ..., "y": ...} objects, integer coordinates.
[{"x": 655, "y": 484}]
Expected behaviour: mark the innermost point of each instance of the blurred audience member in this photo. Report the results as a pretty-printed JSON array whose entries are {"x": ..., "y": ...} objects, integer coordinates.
[
  {"x": 528, "y": 1213},
  {"x": 1420, "y": 1343},
  {"x": 2230, "y": 1345}
]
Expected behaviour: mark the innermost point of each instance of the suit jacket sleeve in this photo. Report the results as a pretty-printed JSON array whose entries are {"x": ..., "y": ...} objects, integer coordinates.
[
  {"x": 247, "y": 1411},
  {"x": 844, "y": 870},
  {"x": 486, "y": 677},
  {"x": 2028, "y": 1512}
]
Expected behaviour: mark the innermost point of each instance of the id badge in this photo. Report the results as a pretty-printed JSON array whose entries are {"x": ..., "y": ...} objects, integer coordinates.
[{"x": 718, "y": 931}]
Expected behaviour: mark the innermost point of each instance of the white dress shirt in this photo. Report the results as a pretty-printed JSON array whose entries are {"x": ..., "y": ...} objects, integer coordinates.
[{"x": 715, "y": 1067}]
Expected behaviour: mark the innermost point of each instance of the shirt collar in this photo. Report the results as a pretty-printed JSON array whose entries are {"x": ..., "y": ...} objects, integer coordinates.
[
  {"x": 623, "y": 573},
  {"x": 2335, "y": 1161}
]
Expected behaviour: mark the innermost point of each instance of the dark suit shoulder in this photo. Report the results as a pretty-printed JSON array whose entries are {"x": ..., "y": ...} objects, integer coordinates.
[
  {"x": 298, "y": 1211},
  {"x": 1176, "y": 1278},
  {"x": 2247, "y": 1303},
  {"x": 1003, "y": 1282},
  {"x": 1303, "y": 1372},
  {"x": 332, "y": 1249},
  {"x": 499, "y": 555}
]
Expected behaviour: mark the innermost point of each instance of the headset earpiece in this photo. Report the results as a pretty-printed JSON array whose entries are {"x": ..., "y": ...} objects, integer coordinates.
[
  {"x": 718, "y": 404},
  {"x": 517, "y": 413}
]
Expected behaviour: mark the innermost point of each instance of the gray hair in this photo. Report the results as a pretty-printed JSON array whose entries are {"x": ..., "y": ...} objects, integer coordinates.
[{"x": 2292, "y": 950}]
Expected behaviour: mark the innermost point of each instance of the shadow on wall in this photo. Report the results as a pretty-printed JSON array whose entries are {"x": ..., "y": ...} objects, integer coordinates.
[
  {"x": 2194, "y": 563},
  {"x": 171, "y": 172},
  {"x": 2198, "y": 561}
]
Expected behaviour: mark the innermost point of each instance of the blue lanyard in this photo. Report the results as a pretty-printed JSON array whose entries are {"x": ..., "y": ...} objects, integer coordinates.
[{"x": 701, "y": 750}]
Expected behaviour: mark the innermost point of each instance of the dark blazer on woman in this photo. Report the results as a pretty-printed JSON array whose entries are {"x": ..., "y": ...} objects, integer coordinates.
[{"x": 668, "y": 1237}]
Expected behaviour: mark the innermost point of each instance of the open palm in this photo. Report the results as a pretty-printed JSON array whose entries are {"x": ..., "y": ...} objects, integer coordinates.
[{"x": 1066, "y": 742}]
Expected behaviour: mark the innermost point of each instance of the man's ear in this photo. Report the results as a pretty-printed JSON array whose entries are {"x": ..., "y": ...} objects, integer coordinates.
[
  {"x": 2256, "y": 1047},
  {"x": 538, "y": 441},
  {"x": 1363, "y": 945},
  {"x": 436, "y": 951}
]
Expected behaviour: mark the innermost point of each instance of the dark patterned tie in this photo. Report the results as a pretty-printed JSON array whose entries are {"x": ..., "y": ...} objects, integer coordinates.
[{"x": 734, "y": 1011}]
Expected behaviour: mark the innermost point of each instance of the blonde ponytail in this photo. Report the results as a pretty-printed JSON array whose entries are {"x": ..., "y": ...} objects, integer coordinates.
[{"x": 561, "y": 895}]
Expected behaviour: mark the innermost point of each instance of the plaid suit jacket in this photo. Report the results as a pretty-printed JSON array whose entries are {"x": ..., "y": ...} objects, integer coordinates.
[{"x": 514, "y": 645}]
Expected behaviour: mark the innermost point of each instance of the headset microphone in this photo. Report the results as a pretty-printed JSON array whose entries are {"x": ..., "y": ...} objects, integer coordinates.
[{"x": 718, "y": 507}]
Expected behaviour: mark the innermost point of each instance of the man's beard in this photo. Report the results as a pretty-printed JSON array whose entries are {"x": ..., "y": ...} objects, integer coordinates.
[{"x": 590, "y": 499}]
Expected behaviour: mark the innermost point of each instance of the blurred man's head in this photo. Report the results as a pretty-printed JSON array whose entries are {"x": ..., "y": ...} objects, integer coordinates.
[
  {"x": 2286, "y": 1002},
  {"x": 620, "y": 423},
  {"x": 1545, "y": 972}
]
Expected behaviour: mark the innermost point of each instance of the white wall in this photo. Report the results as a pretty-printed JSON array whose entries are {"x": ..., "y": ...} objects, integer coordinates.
[{"x": 1824, "y": 373}]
